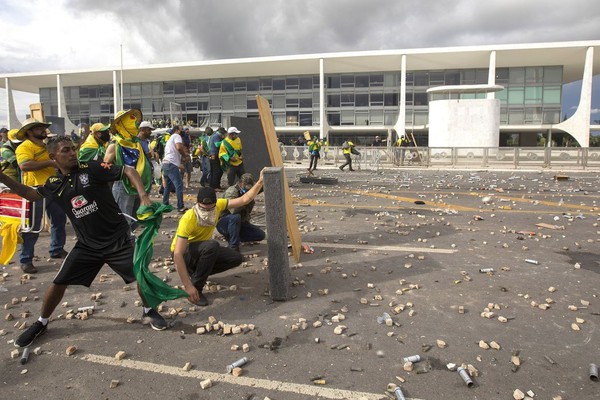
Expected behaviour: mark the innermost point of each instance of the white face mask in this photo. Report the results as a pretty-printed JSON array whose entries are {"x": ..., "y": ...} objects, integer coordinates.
[{"x": 205, "y": 217}]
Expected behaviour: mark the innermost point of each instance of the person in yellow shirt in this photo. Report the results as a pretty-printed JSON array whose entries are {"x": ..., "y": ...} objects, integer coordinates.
[
  {"x": 230, "y": 154},
  {"x": 36, "y": 167},
  {"x": 196, "y": 255}
]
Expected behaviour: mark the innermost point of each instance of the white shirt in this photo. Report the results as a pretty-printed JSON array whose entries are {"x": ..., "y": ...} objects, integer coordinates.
[{"x": 172, "y": 155}]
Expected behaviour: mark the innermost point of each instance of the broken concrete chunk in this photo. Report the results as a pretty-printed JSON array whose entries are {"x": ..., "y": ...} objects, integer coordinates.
[
  {"x": 518, "y": 395},
  {"x": 114, "y": 383},
  {"x": 205, "y": 384},
  {"x": 120, "y": 355},
  {"x": 71, "y": 350}
]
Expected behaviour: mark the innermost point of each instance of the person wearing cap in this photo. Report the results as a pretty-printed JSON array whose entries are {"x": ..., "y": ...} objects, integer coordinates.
[
  {"x": 144, "y": 134},
  {"x": 195, "y": 254},
  {"x": 172, "y": 165},
  {"x": 36, "y": 167},
  {"x": 127, "y": 150},
  {"x": 94, "y": 147},
  {"x": 204, "y": 160},
  {"x": 10, "y": 167},
  {"x": 230, "y": 154},
  {"x": 234, "y": 223},
  {"x": 80, "y": 189}
]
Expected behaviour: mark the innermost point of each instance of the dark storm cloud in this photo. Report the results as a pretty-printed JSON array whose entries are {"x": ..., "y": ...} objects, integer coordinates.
[{"x": 187, "y": 30}]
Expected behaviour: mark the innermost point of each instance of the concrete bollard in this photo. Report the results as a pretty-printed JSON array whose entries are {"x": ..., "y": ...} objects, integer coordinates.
[{"x": 279, "y": 262}]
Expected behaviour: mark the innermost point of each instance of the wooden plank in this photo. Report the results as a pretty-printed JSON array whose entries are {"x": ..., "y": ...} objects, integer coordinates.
[
  {"x": 277, "y": 161},
  {"x": 37, "y": 111}
]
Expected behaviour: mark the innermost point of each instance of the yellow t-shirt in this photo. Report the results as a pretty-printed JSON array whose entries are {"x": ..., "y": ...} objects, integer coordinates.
[
  {"x": 29, "y": 151},
  {"x": 188, "y": 226}
]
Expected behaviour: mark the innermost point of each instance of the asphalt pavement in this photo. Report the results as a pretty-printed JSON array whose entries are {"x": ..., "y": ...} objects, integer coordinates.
[{"x": 395, "y": 272}]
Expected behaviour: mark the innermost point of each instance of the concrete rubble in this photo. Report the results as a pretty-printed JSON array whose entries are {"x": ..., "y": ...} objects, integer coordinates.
[{"x": 451, "y": 279}]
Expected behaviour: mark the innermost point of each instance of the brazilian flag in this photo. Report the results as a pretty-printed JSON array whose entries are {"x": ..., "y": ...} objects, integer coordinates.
[
  {"x": 129, "y": 152},
  {"x": 154, "y": 290}
]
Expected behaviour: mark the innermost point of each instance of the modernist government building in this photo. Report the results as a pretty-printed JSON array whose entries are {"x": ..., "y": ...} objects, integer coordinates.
[{"x": 497, "y": 95}]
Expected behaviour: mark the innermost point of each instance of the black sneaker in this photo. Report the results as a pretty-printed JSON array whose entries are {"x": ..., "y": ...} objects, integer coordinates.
[
  {"x": 157, "y": 322},
  {"x": 28, "y": 268},
  {"x": 61, "y": 254},
  {"x": 203, "y": 301},
  {"x": 28, "y": 337},
  {"x": 182, "y": 210}
]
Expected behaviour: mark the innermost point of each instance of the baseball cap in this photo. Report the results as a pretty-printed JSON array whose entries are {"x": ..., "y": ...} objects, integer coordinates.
[
  {"x": 99, "y": 127},
  {"x": 207, "y": 195},
  {"x": 12, "y": 136},
  {"x": 233, "y": 129},
  {"x": 146, "y": 124}
]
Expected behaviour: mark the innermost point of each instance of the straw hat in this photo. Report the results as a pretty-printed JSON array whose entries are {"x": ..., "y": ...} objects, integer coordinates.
[{"x": 27, "y": 125}]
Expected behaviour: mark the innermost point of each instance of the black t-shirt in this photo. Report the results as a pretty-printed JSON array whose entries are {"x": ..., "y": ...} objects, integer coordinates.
[{"x": 86, "y": 198}]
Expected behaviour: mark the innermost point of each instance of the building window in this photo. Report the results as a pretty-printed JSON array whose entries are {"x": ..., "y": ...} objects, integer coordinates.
[
  {"x": 291, "y": 83},
  {"x": 420, "y": 99},
  {"x": 333, "y": 100},
  {"x": 361, "y": 100},
  {"x": 306, "y": 118},
  {"x": 376, "y": 99},
  {"x": 516, "y": 95},
  {"x": 347, "y": 81},
  {"x": 278, "y": 84},
  {"x": 376, "y": 80},
  {"x": 333, "y": 118},
  {"x": 227, "y": 86},
  {"x": 347, "y": 99},
  {"x": 362, "y": 81},
  {"x": 553, "y": 75},
  {"x": 333, "y": 82},
  {"x": 551, "y": 95},
  {"x": 390, "y": 99},
  {"x": 291, "y": 118},
  {"x": 421, "y": 79},
  {"x": 239, "y": 86},
  {"x": 516, "y": 76},
  {"x": 266, "y": 84},
  {"x": 252, "y": 85}
]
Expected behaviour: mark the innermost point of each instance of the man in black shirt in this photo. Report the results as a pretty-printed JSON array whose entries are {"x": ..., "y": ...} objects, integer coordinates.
[{"x": 103, "y": 235}]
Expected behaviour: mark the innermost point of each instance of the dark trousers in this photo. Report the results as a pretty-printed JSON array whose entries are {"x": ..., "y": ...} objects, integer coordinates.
[
  {"x": 215, "y": 173},
  {"x": 236, "y": 231},
  {"x": 348, "y": 162},
  {"x": 207, "y": 258},
  {"x": 234, "y": 171},
  {"x": 313, "y": 159}
]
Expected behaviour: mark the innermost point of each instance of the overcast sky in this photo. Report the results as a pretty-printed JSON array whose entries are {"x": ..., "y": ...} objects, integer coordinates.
[{"x": 47, "y": 35}]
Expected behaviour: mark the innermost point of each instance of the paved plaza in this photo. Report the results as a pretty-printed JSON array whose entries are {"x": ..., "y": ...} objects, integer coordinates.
[{"x": 403, "y": 243}]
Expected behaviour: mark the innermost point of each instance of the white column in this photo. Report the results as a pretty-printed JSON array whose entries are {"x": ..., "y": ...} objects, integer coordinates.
[
  {"x": 400, "y": 126},
  {"x": 322, "y": 115},
  {"x": 11, "y": 114},
  {"x": 60, "y": 96},
  {"x": 116, "y": 93},
  {"x": 492, "y": 74},
  {"x": 578, "y": 125}
]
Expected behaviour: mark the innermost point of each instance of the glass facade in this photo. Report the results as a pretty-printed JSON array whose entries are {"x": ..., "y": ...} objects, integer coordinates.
[{"x": 531, "y": 95}]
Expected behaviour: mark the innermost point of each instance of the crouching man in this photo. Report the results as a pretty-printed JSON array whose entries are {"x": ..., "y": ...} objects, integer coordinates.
[
  {"x": 196, "y": 255},
  {"x": 234, "y": 223},
  {"x": 81, "y": 191}
]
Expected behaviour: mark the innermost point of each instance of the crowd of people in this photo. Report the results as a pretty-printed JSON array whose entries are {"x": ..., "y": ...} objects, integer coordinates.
[{"x": 99, "y": 185}]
